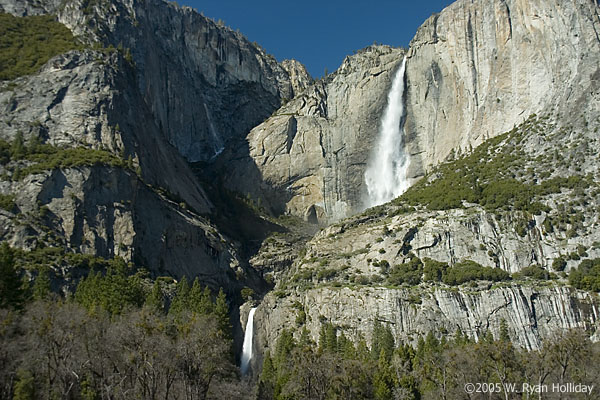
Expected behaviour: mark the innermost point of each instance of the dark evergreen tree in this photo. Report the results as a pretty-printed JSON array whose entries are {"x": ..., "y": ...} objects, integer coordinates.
[
  {"x": 156, "y": 299},
  {"x": 41, "y": 287},
  {"x": 180, "y": 301},
  {"x": 11, "y": 287},
  {"x": 221, "y": 312}
]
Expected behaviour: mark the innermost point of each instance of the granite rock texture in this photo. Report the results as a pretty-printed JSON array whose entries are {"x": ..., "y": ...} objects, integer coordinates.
[{"x": 479, "y": 68}]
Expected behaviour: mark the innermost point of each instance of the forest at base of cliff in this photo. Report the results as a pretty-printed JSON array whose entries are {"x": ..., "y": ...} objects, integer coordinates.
[{"x": 117, "y": 337}]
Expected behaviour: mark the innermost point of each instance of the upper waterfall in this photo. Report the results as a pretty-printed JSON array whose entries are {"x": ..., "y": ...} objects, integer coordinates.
[
  {"x": 386, "y": 171},
  {"x": 247, "y": 346}
]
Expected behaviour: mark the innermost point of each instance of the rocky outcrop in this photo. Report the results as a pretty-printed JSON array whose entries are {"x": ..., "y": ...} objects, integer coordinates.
[
  {"x": 300, "y": 79},
  {"x": 479, "y": 68},
  {"x": 531, "y": 313},
  {"x": 309, "y": 157},
  {"x": 203, "y": 82},
  {"x": 148, "y": 212},
  {"x": 108, "y": 213}
]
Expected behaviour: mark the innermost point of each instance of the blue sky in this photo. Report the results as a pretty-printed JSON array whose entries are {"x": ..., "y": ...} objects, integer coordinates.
[{"x": 320, "y": 33}]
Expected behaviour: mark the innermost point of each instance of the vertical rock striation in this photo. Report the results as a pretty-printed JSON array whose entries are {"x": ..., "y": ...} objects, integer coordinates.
[
  {"x": 203, "y": 82},
  {"x": 479, "y": 68},
  {"x": 531, "y": 314}
]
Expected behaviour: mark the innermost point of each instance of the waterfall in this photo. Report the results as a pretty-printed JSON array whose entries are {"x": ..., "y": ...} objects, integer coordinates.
[
  {"x": 386, "y": 171},
  {"x": 217, "y": 141},
  {"x": 247, "y": 346}
]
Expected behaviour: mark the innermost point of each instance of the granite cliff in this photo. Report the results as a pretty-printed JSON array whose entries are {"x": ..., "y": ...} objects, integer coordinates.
[
  {"x": 473, "y": 71},
  {"x": 519, "y": 78},
  {"x": 481, "y": 68},
  {"x": 144, "y": 140},
  {"x": 151, "y": 87},
  {"x": 194, "y": 74}
]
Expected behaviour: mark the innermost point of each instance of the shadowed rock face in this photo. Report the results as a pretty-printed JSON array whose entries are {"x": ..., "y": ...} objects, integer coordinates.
[
  {"x": 149, "y": 213},
  {"x": 308, "y": 158},
  {"x": 180, "y": 85},
  {"x": 473, "y": 71}
]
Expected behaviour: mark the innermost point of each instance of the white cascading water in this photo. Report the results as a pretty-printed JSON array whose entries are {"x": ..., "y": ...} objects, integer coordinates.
[
  {"x": 386, "y": 175},
  {"x": 217, "y": 141},
  {"x": 247, "y": 346}
]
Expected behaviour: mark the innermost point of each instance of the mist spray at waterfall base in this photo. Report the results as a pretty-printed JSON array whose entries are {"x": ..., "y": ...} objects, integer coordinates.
[
  {"x": 247, "y": 346},
  {"x": 386, "y": 174}
]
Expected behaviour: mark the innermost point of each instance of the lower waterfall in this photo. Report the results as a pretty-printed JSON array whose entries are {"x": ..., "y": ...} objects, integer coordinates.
[
  {"x": 247, "y": 346},
  {"x": 386, "y": 174}
]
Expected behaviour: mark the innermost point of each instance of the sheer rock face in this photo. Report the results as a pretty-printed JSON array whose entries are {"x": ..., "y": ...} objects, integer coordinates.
[
  {"x": 154, "y": 212},
  {"x": 481, "y": 67},
  {"x": 309, "y": 157},
  {"x": 531, "y": 313},
  {"x": 299, "y": 76},
  {"x": 203, "y": 82},
  {"x": 473, "y": 71},
  {"x": 88, "y": 99}
]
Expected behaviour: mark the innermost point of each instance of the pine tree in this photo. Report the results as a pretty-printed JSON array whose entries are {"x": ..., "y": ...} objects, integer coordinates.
[
  {"x": 155, "y": 299},
  {"x": 41, "y": 287},
  {"x": 362, "y": 350},
  {"x": 383, "y": 339},
  {"x": 268, "y": 378},
  {"x": 200, "y": 299},
  {"x": 383, "y": 379},
  {"x": 331, "y": 338},
  {"x": 268, "y": 370},
  {"x": 35, "y": 144},
  {"x": 504, "y": 336},
  {"x": 180, "y": 302},
  {"x": 432, "y": 344},
  {"x": 11, "y": 286},
  {"x": 283, "y": 348},
  {"x": 222, "y": 314},
  {"x": 305, "y": 340},
  {"x": 17, "y": 150}
]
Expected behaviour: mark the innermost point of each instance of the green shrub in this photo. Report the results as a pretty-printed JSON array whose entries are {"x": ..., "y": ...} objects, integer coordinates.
[
  {"x": 361, "y": 280},
  {"x": 27, "y": 43},
  {"x": 468, "y": 270},
  {"x": 45, "y": 157},
  {"x": 586, "y": 276},
  {"x": 7, "y": 202},
  {"x": 383, "y": 264},
  {"x": 409, "y": 272},
  {"x": 582, "y": 251},
  {"x": 488, "y": 176},
  {"x": 247, "y": 293},
  {"x": 326, "y": 274},
  {"x": 559, "y": 264},
  {"x": 301, "y": 317},
  {"x": 433, "y": 270},
  {"x": 535, "y": 272}
]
